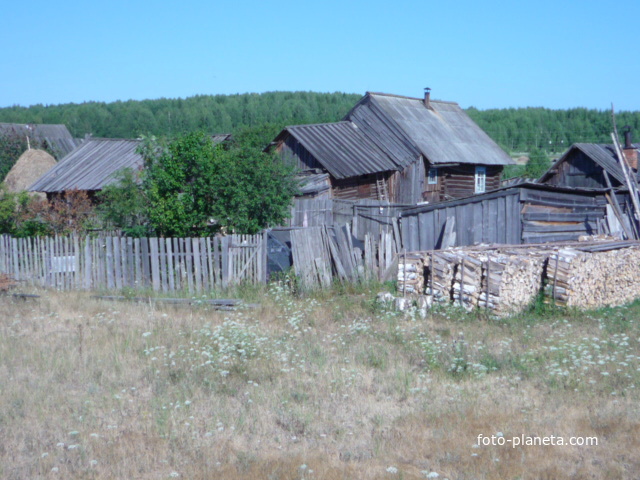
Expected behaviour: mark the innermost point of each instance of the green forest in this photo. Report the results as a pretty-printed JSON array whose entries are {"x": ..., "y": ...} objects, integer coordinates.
[
  {"x": 256, "y": 118},
  {"x": 515, "y": 129}
]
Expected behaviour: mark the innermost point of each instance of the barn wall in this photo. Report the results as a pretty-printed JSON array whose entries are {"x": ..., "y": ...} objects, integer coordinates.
[
  {"x": 409, "y": 184},
  {"x": 578, "y": 170},
  {"x": 493, "y": 218},
  {"x": 293, "y": 153},
  {"x": 512, "y": 216}
]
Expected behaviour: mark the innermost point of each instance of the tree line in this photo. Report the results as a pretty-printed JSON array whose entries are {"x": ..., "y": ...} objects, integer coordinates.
[{"x": 515, "y": 129}]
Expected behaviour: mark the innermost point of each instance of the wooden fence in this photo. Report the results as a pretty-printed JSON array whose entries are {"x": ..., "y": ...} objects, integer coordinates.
[{"x": 161, "y": 264}]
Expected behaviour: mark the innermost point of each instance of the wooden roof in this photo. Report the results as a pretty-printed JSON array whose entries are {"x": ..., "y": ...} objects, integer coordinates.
[
  {"x": 57, "y": 137},
  {"x": 341, "y": 148},
  {"x": 389, "y": 132},
  {"x": 442, "y": 133},
  {"x": 91, "y": 166}
]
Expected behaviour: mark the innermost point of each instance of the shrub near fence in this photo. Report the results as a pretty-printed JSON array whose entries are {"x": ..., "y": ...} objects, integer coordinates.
[{"x": 161, "y": 264}]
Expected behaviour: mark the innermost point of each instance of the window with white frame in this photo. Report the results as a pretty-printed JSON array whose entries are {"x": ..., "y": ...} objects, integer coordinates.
[
  {"x": 481, "y": 179},
  {"x": 432, "y": 177}
]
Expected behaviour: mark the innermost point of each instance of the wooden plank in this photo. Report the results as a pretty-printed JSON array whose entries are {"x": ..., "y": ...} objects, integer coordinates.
[
  {"x": 88, "y": 264},
  {"x": 189, "y": 263},
  {"x": 155, "y": 264},
  {"x": 162, "y": 263},
  {"x": 137, "y": 254},
  {"x": 79, "y": 261},
  {"x": 170, "y": 261},
  {"x": 117, "y": 262},
  {"x": 224, "y": 264},
  {"x": 197, "y": 266},
  {"x": 177, "y": 264},
  {"x": 109, "y": 267},
  {"x": 131, "y": 281},
  {"x": 204, "y": 263},
  {"x": 146, "y": 262},
  {"x": 581, "y": 228},
  {"x": 562, "y": 216},
  {"x": 501, "y": 234}
]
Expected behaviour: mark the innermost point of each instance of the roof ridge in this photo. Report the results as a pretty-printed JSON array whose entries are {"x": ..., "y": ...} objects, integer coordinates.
[
  {"x": 382, "y": 94},
  {"x": 317, "y": 124}
]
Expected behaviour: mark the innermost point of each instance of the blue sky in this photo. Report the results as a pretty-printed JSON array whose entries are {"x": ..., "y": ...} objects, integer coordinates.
[{"x": 490, "y": 54}]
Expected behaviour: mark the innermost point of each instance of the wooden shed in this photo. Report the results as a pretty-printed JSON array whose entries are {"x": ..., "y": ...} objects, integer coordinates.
[
  {"x": 592, "y": 165},
  {"x": 401, "y": 149},
  {"x": 523, "y": 214},
  {"x": 90, "y": 167}
]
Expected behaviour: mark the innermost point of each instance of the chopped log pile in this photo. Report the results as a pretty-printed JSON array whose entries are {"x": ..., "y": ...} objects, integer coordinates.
[
  {"x": 507, "y": 279},
  {"x": 585, "y": 278}
]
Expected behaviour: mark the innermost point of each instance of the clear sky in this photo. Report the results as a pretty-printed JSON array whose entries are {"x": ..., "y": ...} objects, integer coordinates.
[{"x": 487, "y": 54}]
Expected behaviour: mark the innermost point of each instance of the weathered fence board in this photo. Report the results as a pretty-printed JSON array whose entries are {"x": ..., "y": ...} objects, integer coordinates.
[{"x": 109, "y": 263}]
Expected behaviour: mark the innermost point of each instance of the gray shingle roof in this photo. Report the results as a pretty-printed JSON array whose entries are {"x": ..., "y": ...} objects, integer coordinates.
[
  {"x": 57, "y": 137},
  {"x": 443, "y": 133},
  {"x": 91, "y": 166}
]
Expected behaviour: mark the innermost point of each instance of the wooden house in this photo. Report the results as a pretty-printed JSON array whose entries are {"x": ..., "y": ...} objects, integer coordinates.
[
  {"x": 592, "y": 165},
  {"x": 401, "y": 149},
  {"x": 90, "y": 167}
]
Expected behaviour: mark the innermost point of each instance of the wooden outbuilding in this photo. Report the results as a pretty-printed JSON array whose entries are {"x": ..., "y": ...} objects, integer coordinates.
[
  {"x": 396, "y": 148},
  {"x": 90, "y": 167},
  {"x": 592, "y": 165}
]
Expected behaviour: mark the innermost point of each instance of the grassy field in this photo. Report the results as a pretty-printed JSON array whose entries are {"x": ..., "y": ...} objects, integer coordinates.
[{"x": 331, "y": 386}]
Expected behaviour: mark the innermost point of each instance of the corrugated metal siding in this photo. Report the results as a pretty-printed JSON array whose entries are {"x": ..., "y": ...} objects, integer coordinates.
[
  {"x": 91, "y": 166},
  {"x": 443, "y": 134}
]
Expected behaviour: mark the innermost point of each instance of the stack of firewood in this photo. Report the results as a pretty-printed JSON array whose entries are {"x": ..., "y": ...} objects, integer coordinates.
[
  {"x": 512, "y": 280},
  {"x": 467, "y": 282},
  {"x": 440, "y": 274},
  {"x": 411, "y": 274},
  {"x": 593, "y": 279}
]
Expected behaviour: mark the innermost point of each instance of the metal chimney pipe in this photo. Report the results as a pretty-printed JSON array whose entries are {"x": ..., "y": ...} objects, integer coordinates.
[{"x": 427, "y": 97}]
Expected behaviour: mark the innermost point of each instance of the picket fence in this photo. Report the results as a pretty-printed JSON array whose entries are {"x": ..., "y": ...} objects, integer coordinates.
[{"x": 161, "y": 264}]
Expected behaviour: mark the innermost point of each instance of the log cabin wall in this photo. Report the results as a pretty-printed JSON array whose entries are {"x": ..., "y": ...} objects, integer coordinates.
[
  {"x": 460, "y": 181},
  {"x": 364, "y": 186}
]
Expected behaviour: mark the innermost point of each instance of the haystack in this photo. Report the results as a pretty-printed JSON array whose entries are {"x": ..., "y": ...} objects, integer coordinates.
[{"x": 31, "y": 165}]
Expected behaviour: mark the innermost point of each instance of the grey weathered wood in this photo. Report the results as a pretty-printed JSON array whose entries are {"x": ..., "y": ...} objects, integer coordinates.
[
  {"x": 155, "y": 264},
  {"x": 109, "y": 265}
]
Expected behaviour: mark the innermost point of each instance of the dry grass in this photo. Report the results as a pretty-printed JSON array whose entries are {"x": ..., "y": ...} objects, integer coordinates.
[{"x": 331, "y": 387}]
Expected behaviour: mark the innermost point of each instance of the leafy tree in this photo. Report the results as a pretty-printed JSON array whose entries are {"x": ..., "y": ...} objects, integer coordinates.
[
  {"x": 538, "y": 163},
  {"x": 123, "y": 205},
  {"x": 193, "y": 187}
]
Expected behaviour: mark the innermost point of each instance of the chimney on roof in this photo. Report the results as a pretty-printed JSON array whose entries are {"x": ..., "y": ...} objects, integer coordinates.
[
  {"x": 427, "y": 97},
  {"x": 629, "y": 152}
]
